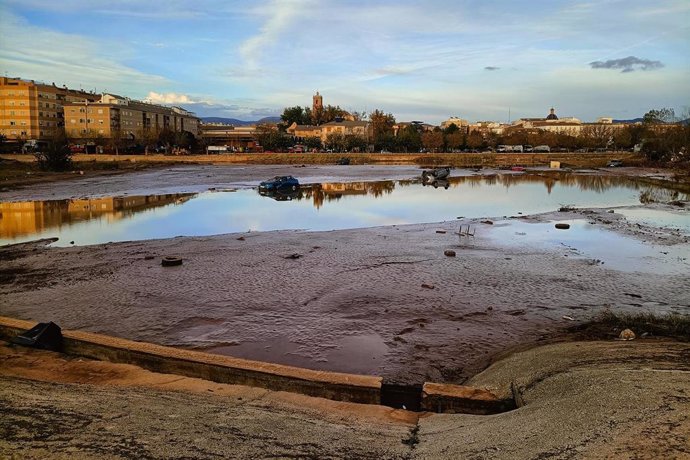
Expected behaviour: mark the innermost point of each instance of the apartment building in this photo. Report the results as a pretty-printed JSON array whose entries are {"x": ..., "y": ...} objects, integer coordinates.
[
  {"x": 114, "y": 116},
  {"x": 34, "y": 110}
]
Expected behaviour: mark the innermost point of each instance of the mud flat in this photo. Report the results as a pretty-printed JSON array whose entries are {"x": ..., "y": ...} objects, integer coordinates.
[{"x": 384, "y": 301}]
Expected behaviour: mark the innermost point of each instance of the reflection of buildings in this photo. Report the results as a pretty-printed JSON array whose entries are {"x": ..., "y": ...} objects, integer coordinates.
[
  {"x": 28, "y": 217},
  {"x": 331, "y": 191}
]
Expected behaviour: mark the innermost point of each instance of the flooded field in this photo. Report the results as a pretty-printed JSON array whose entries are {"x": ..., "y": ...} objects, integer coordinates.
[
  {"x": 366, "y": 286},
  {"x": 323, "y": 206}
]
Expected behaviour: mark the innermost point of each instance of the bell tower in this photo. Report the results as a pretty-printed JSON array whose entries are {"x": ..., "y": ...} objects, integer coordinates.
[{"x": 317, "y": 103}]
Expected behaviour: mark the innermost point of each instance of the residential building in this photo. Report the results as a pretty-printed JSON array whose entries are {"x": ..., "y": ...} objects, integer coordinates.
[
  {"x": 459, "y": 122},
  {"x": 34, "y": 110},
  {"x": 117, "y": 117},
  {"x": 338, "y": 126}
]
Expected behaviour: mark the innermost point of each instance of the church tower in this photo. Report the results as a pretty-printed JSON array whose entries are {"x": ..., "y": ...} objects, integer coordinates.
[{"x": 317, "y": 103}]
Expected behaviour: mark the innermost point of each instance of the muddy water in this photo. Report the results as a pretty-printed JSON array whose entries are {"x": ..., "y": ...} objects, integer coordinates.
[{"x": 325, "y": 206}]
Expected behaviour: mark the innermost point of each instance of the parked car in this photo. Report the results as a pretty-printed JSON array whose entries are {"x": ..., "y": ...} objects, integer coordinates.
[
  {"x": 279, "y": 183},
  {"x": 614, "y": 163}
]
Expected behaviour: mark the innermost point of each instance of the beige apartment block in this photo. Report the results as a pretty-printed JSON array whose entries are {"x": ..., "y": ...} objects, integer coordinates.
[
  {"x": 340, "y": 126},
  {"x": 33, "y": 110},
  {"x": 117, "y": 117}
]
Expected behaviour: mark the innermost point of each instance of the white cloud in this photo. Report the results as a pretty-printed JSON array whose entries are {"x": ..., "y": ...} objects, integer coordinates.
[
  {"x": 34, "y": 52},
  {"x": 280, "y": 14},
  {"x": 168, "y": 98}
]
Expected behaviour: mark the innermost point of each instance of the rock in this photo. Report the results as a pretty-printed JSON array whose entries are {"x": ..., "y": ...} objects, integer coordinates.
[
  {"x": 561, "y": 226},
  {"x": 428, "y": 286},
  {"x": 149, "y": 257},
  {"x": 440, "y": 231},
  {"x": 449, "y": 253},
  {"x": 293, "y": 256},
  {"x": 627, "y": 334},
  {"x": 611, "y": 211},
  {"x": 241, "y": 238},
  {"x": 488, "y": 222}
]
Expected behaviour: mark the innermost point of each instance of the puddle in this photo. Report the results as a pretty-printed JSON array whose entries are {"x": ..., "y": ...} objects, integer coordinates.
[
  {"x": 597, "y": 246},
  {"x": 357, "y": 354},
  {"x": 677, "y": 219},
  {"x": 326, "y": 206}
]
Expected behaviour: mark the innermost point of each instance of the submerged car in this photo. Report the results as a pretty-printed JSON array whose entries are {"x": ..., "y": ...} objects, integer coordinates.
[
  {"x": 437, "y": 173},
  {"x": 279, "y": 183}
]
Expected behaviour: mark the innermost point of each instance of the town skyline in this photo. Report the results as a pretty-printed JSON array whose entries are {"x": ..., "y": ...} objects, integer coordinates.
[{"x": 419, "y": 62}]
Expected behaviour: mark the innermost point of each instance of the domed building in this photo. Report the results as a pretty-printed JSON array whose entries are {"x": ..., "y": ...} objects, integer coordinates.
[{"x": 552, "y": 115}]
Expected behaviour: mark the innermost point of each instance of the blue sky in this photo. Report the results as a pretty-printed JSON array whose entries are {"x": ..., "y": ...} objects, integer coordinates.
[{"x": 420, "y": 60}]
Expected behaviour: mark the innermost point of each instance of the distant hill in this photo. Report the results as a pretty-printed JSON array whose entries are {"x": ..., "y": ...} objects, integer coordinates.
[
  {"x": 236, "y": 122},
  {"x": 634, "y": 120}
]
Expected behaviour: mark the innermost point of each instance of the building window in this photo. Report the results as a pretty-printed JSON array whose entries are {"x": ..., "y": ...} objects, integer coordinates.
[
  {"x": 12, "y": 123},
  {"x": 73, "y": 121},
  {"x": 100, "y": 110},
  {"x": 81, "y": 120}
]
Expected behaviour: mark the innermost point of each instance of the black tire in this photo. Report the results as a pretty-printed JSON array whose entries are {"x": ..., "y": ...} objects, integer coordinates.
[{"x": 171, "y": 261}]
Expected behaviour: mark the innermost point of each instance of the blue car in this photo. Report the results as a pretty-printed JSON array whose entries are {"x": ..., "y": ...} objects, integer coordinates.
[{"x": 279, "y": 183}]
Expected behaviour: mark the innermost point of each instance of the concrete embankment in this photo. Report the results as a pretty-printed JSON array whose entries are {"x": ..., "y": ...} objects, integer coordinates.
[{"x": 225, "y": 369}]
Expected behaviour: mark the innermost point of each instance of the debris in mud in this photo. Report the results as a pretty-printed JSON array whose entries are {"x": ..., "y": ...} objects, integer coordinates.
[
  {"x": 440, "y": 231},
  {"x": 488, "y": 222},
  {"x": 170, "y": 261},
  {"x": 626, "y": 334},
  {"x": 427, "y": 286},
  {"x": 149, "y": 257},
  {"x": 569, "y": 318},
  {"x": 449, "y": 253},
  {"x": 293, "y": 256},
  {"x": 241, "y": 238},
  {"x": 562, "y": 226}
]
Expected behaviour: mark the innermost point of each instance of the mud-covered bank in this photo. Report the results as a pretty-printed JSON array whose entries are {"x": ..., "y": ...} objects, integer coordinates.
[{"x": 383, "y": 300}]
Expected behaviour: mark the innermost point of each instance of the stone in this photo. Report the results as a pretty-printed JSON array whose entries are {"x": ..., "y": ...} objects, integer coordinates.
[
  {"x": 627, "y": 334},
  {"x": 449, "y": 253}
]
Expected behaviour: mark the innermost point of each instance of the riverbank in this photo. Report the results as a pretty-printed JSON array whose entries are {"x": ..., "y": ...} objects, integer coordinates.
[
  {"x": 20, "y": 170},
  {"x": 580, "y": 399}
]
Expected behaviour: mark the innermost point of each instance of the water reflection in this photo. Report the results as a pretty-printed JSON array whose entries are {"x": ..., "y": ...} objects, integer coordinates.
[
  {"x": 326, "y": 206},
  {"x": 333, "y": 191},
  {"x": 31, "y": 217}
]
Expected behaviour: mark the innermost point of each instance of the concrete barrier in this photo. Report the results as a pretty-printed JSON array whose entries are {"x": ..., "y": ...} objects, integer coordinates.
[
  {"x": 216, "y": 368},
  {"x": 432, "y": 397},
  {"x": 458, "y": 399}
]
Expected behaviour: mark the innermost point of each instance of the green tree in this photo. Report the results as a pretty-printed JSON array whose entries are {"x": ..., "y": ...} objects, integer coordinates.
[
  {"x": 336, "y": 142},
  {"x": 312, "y": 142},
  {"x": 56, "y": 156},
  {"x": 409, "y": 139},
  {"x": 296, "y": 114},
  {"x": 382, "y": 127}
]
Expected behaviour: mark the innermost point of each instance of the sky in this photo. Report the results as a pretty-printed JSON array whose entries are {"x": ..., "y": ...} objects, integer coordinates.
[{"x": 419, "y": 60}]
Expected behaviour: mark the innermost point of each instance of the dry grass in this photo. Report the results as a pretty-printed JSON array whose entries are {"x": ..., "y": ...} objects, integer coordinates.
[{"x": 609, "y": 324}]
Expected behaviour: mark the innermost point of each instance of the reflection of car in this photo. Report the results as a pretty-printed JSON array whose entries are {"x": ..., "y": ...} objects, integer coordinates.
[
  {"x": 614, "y": 163},
  {"x": 436, "y": 183},
  {"x": 279, "y": 183},
  {"x": 281, "y": 194}
]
